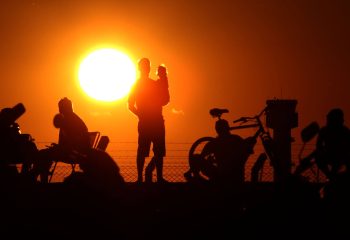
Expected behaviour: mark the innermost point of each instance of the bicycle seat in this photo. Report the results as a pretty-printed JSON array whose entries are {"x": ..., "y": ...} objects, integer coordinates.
[{"x": 217, "y": 112}]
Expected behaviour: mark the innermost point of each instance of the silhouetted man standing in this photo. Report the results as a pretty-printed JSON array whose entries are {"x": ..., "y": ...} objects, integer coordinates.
[{"x": 146, "y": 101}]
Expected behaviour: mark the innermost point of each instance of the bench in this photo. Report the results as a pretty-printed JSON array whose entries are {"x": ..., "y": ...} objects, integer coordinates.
[{"x": 96, "y": 142}]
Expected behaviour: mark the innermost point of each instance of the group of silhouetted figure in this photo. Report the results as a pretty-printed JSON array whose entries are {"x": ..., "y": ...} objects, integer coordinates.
[
  {"x": 146, "y": 100},
  {"x": 230, "y": 152},
  {"x": 219, "y": 169},
  {"x": 74, "y": 145}
]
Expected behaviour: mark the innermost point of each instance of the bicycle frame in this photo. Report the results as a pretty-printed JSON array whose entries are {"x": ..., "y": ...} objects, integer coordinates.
[
  {"x": 245, "y": 126},
  {"x": 261, "y": 132},
  {"x": 266, "y": 141}
]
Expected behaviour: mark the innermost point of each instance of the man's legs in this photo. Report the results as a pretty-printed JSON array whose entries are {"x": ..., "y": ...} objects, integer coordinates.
[
  {"x": 140, "y": 162},
  {"x": 149, "y": 170},
  {"x": 159, "y": 151},
  {"x": 156, "y": 162},
  {"x": 43, "y": 164},
  {"x": 159, "y": 166},
  {"x": 144, "y": 145}
]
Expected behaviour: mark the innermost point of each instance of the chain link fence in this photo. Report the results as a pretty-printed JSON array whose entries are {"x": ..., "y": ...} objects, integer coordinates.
[{"x": 176, "y": 163}]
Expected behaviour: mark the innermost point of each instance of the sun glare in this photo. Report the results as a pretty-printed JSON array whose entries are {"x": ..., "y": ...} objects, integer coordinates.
[{"x": 107, "y": 74}]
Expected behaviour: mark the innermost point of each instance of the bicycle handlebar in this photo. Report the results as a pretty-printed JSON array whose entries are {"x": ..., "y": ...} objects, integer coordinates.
[
  {"x": 246, "y": 119},
  {"x": 245, "y": 126}
]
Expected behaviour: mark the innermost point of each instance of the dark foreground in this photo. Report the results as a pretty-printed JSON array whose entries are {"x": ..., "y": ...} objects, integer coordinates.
[{"x": 172, "y": 211}]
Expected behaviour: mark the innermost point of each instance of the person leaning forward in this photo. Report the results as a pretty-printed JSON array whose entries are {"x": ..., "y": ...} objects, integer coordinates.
[{"x": 73, "y": 139}]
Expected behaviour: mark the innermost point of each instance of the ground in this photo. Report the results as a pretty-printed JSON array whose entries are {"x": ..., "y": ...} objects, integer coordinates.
[{"x": 169, "y": 211}]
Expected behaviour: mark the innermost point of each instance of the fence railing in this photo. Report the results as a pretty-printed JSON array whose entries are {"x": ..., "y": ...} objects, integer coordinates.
[{"x": 176, "y": 162}]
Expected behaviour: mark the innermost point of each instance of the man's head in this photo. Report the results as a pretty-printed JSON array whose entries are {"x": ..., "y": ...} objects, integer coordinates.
[
  {"x": 335, "y": 117},
  {"x": 222, "y": 127},
  {"x": 144, "y": 66},
  {"x": 65, "y": 106}
]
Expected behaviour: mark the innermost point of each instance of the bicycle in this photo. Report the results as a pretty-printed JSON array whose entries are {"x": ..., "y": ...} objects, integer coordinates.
[
  {"x": 308, "y": 161},
  {"x": 201, "y": 154},
  {"x": 332, "y": 188}
]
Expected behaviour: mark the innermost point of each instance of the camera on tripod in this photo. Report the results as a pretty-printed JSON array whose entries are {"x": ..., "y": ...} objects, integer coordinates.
[{"x": 8, "y": 116}]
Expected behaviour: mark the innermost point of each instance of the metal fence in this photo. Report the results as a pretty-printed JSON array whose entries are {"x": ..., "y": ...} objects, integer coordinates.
[{"x": 176, "y": 162}]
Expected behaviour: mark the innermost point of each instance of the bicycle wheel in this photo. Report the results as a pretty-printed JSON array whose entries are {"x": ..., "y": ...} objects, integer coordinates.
[
  {"x": 198, "y": 146},
  {"x": 199, "y": 157}
]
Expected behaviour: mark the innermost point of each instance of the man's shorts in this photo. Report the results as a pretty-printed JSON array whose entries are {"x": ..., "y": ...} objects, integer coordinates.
[{"x": 151, "y": 133}]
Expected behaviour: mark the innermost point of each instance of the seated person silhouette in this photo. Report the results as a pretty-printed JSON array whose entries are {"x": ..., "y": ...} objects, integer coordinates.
[
  {"x": 333, "y": 145},
  {"x": 73, "y": 141},
  {"x": 229, "y": 153}
]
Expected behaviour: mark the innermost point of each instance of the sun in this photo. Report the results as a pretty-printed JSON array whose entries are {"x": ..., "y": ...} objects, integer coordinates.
[{"x": 107, "y": 74}]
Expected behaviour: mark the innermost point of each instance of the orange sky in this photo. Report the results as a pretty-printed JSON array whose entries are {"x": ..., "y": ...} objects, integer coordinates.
[{"x": 233, "y": 54}]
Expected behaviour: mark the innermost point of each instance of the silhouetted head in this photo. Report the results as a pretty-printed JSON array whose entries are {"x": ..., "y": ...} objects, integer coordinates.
[
  {"x": 65, "y": 106},
  {"x": 144, "y": 66},
  {"x": 162, "y": 71},
  {"x": 222, "y": 127},
  {"x": 58, "y": 120},
  {"x": 335, "y": 117}
]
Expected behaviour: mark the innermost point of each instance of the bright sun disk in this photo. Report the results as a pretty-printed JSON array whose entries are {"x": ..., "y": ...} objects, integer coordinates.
[{"x": 107, "y": 75}]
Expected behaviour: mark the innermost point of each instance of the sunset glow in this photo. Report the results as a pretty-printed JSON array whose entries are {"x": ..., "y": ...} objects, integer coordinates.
[{"x": 107, "y": 75}]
